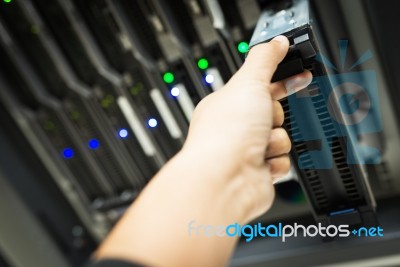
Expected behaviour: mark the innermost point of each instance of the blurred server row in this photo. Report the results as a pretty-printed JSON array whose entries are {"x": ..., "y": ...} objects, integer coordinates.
[{"x": 104, "y": 90}]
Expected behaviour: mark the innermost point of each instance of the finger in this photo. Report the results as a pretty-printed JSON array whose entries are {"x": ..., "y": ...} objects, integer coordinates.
[
  {"x": 262, "y": 60},
  {"x": 290, "y": 85},
  {"x": 279, "y": 166},
  {"x": 279, "y": 143},
  {"x": 278, "y": 114}
]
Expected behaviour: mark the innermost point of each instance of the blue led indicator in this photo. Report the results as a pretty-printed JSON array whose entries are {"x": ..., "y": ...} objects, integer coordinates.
[
  {"x": 68, "y": 153},
  {"x": 175, "y": 91},
  {"x": 94, "y": 144},
  {"x": 152, "y": 122},
  {"x": 209, "y": 78},
  {"x": 123, "y": 133}
]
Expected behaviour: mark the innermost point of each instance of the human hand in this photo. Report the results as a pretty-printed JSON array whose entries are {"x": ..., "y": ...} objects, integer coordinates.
[
  {"x": 223, "y": 174},
  {"x": 238, "y": 128}
]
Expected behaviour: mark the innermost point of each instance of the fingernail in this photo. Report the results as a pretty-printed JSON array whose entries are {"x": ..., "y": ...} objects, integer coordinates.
[
  {"x": 280, "y": 38},
  {"x": 296, "y": 84}
]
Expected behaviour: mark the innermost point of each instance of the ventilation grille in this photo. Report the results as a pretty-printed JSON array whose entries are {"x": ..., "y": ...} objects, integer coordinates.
[
  {"x": 309, "y": 174},
  {"x": 330, "y": 133}
]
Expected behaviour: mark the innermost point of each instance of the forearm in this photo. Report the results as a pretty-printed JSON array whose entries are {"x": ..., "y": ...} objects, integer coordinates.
[
  {"x": 223, "y": 175},
  {"x": 154, "y": 230}
]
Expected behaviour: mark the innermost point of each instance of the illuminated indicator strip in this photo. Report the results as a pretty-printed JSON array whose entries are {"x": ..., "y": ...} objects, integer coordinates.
[
  {"x": 137, "y": 127},
  {"x": 185, "y": 102},
  {"x": 217, "y": 82},
  {"x": 165, "y": 113}
]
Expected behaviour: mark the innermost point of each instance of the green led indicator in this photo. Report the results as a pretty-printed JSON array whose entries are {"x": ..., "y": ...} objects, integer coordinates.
[
  {"x": 7, "y": 1},
  {"x": 48, "y": 125},
  {"x": 202, "y": 63},
  {"x": 243, "y": 47},
  {"x": 168, "y": 77},
  {"x": 75, "y": 115},
  {"x": 107, "y": 101},
  {"x": 35, "y": 29},
  {"x": 136, "y": 89},
  {"x": 104, "y": 103},
  {"x": 110, "y": 98}
]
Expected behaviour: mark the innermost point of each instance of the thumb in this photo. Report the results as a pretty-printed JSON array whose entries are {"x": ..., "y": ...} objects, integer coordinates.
[{"x": 263, "y": 59}]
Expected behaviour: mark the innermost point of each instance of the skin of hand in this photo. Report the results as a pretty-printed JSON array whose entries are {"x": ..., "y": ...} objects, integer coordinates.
[{"x": 224, "y": 174}]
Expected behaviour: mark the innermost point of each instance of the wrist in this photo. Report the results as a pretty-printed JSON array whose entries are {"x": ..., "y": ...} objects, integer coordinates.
[
  {"x": 180, "y": 193},
  {"x": 227, "y": 195}
]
